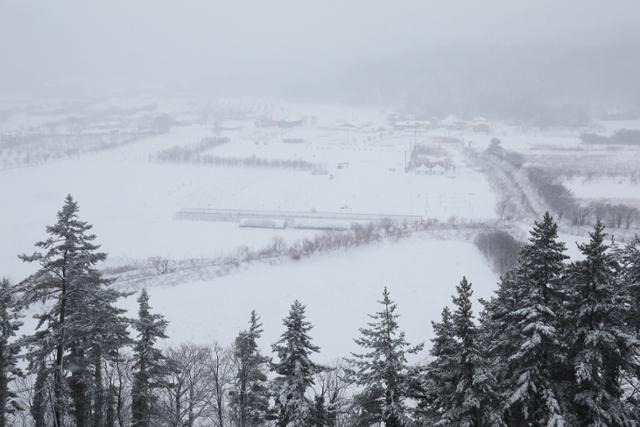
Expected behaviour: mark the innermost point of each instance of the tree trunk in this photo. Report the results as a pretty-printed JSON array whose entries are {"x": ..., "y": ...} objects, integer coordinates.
[
  {"x": 110, "y": 419},
  {"x": 58, "y": 376},
  {"x": 140, "y": 399},
  {"x": 178, "y": 403},
  {"x": 38, "y": 405},
  {"x": 79, "y": 389},
  {"x": 98, "y": 393},
  {"x": 119, "y": 400},
  {"x": 4, "y": 389}
]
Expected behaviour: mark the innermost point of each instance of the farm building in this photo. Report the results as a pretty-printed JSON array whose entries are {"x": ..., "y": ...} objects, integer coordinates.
[{"x": 263, "y": 223}]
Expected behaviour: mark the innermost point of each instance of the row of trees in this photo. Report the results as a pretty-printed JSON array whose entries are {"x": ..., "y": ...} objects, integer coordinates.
[
  {"x": 197, "y": 157},
  {"x": 500, "y": 249},
  {"x": 563, "y": 202},
  {"x": 614, "y": 215},
  {"x": 560, "y": 199},
  {"x": 558, "y": 344},
  {"x": 188, "y": 153},
  {"x": 619, "y": 137}
]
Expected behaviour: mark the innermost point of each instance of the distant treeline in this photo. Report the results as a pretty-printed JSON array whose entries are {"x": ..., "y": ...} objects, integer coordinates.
[
  {"x": 562, "y": 201},
  {"x": 194, "y": 155},
  {"x": 25, "y": 150},
  {"x": 548, "y": 183},
  {"x": 185, "y": 153},
  {"x": 620, "y": 137},
  {"x": 242, "y": 162}
]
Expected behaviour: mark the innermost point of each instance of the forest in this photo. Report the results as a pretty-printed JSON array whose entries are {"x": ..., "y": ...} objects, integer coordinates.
[{"x": 556, "y": 345}]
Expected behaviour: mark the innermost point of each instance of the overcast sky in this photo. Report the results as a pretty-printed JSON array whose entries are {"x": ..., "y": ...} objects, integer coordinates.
[{"x": 141, "y": 44}]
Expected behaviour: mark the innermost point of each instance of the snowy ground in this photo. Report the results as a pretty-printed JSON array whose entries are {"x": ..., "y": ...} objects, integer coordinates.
[
  {"x": 339, "y": 289},
  {"x": 131, "y": 200},
  {"x": 618, "y": 189}
]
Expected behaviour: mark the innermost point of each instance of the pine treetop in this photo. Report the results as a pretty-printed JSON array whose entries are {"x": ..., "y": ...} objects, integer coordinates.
[
  {"x": 443, "y": 334},
  {"x": 594, "y": 279},
  {"x": 542, "y": 257},
  {"x": 382, "y": 369},
  {"x": 463, "y": 316},
  {"x": 149, "y": 360},
  {"x": 150, "y": 326},
  {"x": 68, "y": 246},
  {"x": 387, "y": 344},
  {"x": 295, "y": 346}
]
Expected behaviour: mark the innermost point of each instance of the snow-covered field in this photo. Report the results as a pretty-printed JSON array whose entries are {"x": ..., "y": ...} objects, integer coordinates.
[
  {"x": 131, "y": 205},
  {"x": 131, "y": 200},
  {"x": 339, "y": 289},
  {"x": 621, "y": 189},
  {"x": 362, "y": 158}
]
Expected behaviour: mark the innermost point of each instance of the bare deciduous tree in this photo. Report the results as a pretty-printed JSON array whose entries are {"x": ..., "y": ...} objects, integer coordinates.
[
  {"x": 189, "y": 394},
  {"x": 220, "y": 371},
  {"x": 332, "y": 388}
]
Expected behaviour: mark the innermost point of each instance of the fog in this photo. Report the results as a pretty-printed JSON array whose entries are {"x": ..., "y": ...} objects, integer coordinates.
[
  {"x": 187, "y": 165},
  {"x": 492, "y": 57}
]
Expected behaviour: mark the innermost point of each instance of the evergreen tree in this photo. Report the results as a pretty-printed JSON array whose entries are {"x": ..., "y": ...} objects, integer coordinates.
[
  {"x": 471, "y": 399},
  {"x": 629, "y": 261},
  {"x": 439, "y": 382},
  {"x": 294, "y": 369},
  {"x": 149, "y": 364},
  {"x": 382, "y": 370},
  {"x": 249, "y": 399},
  {"x": 9, "y": 325},
  {"x": 458, "y": 378},
  {"x": 602, "y": 348},
  {"x": 80, "y": 303},
  {"x": 492, "y": 319},
  {"x": 527, "y": 336}
]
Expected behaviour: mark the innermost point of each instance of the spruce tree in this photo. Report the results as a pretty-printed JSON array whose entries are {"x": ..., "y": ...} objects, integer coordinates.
[
  {"x": 294, "y": 369},
  {"x": 79, "y": 302},
  {"x": 492, "y": 320},
  {"x": 527, "y": 336},
  {"x": 149, "y": 364},
  {"x": 458, "y": 379},
  {"x": 471, "y": 399},
  {"x": 382, "y": 370},
  {"x": 249, "y": 399},
  {"x": 629, "y": 261},
  {"x": 602, "y": 348},
  {"x": 439, "y": 381},
  {"x": 9, "y": 325}
]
